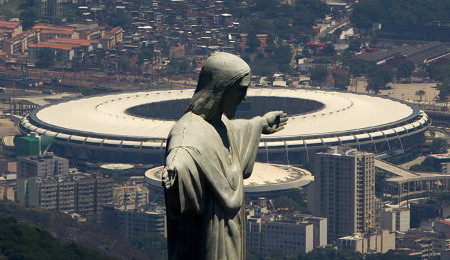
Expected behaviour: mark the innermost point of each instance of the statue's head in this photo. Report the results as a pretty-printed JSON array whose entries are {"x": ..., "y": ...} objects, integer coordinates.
[{"x": 222, "y": 84}]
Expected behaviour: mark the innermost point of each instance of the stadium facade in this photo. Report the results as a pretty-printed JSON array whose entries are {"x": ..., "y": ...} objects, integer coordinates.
[{"x": 133, "y": 127}]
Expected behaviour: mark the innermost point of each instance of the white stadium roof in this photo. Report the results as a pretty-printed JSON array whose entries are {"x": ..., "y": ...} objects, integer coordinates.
[
  {"x": 345, "y": 118},
  {"x": 105, "y": 115}
]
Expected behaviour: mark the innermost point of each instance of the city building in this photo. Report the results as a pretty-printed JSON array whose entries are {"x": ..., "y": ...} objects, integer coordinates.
[
  {"x": 11, "y": 29},
  {"x": 82, "y": 193},
  {"x": 343, "y": 191},
  {"x": 379, "y": 241},
  {"x": 31, "y": 145},
  {"x": 112, "y": 38},
  {"x": 49, "y": 10},
  {"x": 404, "y": 185},
  {"x": 46, "y": 181},
  {"x": 48, "y": 32},
  {"x": 8, "y": 183},
  {"x": 64, "y": 48},
  {"x": 266, "y": 234},
  {"x": 416, "y": 246},
  {"x": 282, "y": 231},
  {"x": 41, "y": 166},
  {"x": 133, "y": 222},
  {"x": 18, "y": 44},
  {"x": 130, "y": 196},
  {"x": 395, "y": 219}
]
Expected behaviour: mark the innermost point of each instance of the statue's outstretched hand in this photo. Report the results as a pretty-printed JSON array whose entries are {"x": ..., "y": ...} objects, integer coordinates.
[
  {"x": 168, "y": 176},
  {"x": 276, "y": 120}
]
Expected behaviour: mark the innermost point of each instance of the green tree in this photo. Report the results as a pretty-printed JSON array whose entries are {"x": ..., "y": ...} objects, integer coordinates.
[
  {"x": 438, "y": 146},
  {"x": 354, "y": 46},
  {"x": 439, "y": 72},
  {"x": 116, "y": 18},
  {"x": 71, "y": 11},
  {"x": 427, "y": 165},
  {"x": 252, "y": 42},
  {"x": 318, "y": 74},
  {"x": 332, "y": 254},
  {"x": 420, "y": 93},
  {"x": 292, "y": 199},
  {"x": 396, "y": 15},
  {"x": 306, "y": 53},
  {"x": 405, "y": 70},
  {"x": 22, "y": 242},
  {"x": 152, "y": 244},
  {"x": 179, "y": 66},
  {"x": 124, "y": 64},
  {"x": 45, "y": 58},
  {"x": 390, "y": 256},
  {"x": 329, "y": 50},
  {"x": 266, "y": 66},
  {"x": 379, "y": 77},
  {"x": 28, "y": 18},
  {"x": 145, "y": 53},
  {"x": 444, "y": 89},
  {"x": 361, "y": 67},
  {"x": 341, "y": 81},
  {"x": 283, "y": 56}
]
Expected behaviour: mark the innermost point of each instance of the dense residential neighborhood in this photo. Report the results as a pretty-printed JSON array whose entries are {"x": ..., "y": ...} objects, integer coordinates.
[{"x": 385, "y": 197}]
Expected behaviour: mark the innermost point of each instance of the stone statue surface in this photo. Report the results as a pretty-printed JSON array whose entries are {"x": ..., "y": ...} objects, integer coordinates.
[{"x": 207, "y": 157}]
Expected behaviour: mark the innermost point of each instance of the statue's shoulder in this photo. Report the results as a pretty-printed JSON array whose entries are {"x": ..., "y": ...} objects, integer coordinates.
[
  {"x": 189, "y": 120},
  {"x": 189, "y": 124}
]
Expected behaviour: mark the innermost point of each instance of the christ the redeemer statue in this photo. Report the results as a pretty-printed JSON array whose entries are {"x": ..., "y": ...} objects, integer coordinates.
[{"x": 208, "y": 155}]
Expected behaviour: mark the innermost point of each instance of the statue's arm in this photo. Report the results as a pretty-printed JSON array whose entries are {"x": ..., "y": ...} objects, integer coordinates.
[
  {"x": 183, "y": 183},
  {"x": 274, "y": 122}
]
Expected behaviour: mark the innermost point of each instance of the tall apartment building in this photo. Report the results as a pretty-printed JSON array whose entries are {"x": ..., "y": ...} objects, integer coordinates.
[
  {"x": 46, "y": 182},
  {"x": 82, "y": 193},
  {"x": 50, "y": 10},
  {"x": 41, "y": 166},
  {"x": 344, "y": 191}
]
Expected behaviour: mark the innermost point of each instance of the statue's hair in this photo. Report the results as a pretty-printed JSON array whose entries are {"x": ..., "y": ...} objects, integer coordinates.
[{"x": 220, "y": 71}]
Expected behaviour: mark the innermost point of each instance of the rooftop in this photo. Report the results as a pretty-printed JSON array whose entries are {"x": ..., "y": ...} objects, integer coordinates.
[
  {"x": 8, "y": 25},
  {"x": 106, "y": 115}
]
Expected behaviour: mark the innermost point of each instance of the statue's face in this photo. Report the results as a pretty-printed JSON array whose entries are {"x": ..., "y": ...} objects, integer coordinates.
[{"x": 233, "y": 96}]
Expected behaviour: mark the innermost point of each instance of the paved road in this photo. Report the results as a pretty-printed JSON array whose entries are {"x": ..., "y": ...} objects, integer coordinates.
[{"x": 7, "y": 127}]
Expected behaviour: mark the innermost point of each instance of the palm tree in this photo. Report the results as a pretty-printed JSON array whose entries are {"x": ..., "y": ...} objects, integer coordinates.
[{"x": 420, "y": 93}]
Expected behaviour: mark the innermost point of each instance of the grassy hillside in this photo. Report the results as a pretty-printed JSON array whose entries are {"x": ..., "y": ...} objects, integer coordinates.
[
  {"x": 24, "y": 242},
  {"x": 69, "y": 231},
  {"x": 11, "y": 9}
]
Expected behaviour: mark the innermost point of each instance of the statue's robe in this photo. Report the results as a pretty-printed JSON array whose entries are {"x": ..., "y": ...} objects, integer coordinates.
[{"x": 205, "y": 205}]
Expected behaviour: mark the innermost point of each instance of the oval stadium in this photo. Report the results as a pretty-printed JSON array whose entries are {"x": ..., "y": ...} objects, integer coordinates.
[{"x": 133, "y": 127}]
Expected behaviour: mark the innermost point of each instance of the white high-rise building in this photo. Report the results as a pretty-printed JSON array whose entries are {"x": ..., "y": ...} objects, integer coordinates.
[
  {"x": 344, "y": 191},
  {"x": 288, "y": 236}
]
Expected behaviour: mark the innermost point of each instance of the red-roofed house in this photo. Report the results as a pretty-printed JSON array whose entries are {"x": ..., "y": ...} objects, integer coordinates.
[
  {"x": 52, "y": 32},
  {"x": 11, "y": 28},
  {"x": 96, "y": 33},
  {"x": 64, "y": 48},
  {"x": 315, "y": 47},
  {"x": 19, "y": 44},
  {"x": 443, "y": 227},
  {"x": 176, "y": 52},
  {"x": 112, "y": 38}
]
